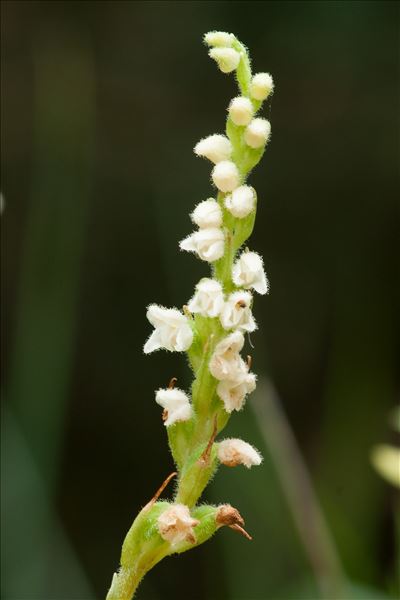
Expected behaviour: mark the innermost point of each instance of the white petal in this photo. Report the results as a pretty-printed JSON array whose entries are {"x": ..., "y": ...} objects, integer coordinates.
[
  {"x": 232, "y": 452},
  {"x": 214, "y": 147}
]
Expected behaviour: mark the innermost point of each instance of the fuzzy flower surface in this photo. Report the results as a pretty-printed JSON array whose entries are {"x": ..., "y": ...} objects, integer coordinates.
[
  {"x": 236, "y": 313},
  {"x": 172, "y": 330},
  {"x": 207, "y": 243},
  {"x": 214, "y": 147},
  {"x": 233, "y": 452},
  {"x": 248, "y": 272},
  {"x": 226, "y": 362},
  {"x": 207, "y": 214},
  {"x": 241, "y": 202},
  {"x": 233, "y": 392},
  {"x": 226, "y": 176},
  {"x": 208, "y": 300},
  {"x": 176, "y": 405}
]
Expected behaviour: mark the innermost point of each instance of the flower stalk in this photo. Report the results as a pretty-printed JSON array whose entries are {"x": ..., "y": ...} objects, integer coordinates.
[{"x": 210, "y": 329}]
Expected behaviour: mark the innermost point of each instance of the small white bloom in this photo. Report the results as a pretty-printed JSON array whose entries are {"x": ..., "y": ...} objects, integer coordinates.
[
  {"x": 248, "y": 272},
  {"x": 215, "y": 147},
  {"x": 225, "y": 176},
  {"x": 233, "y": 392},
  {"x": 172, "y": 330},
  {"x": 237, "y": 314},
  {"x": 241, "y": 202},
  {"x": 227, "y": 59},
  {"x": 241, "y": 110},
  {"x": 257, "y": 133},
  {"x": 261, "y": 86},
  {"x": 207, "y": 214},
  {"x": 226, "y": 362},
  {"x": 233, "y": 452},
  {"x": 207, "y": 243},
  {"x": 219, "y": 38},
  {"x": 176, "y": 525},
  {"x": 208, "y": 300},
  {"x": 176, "y": 405}
]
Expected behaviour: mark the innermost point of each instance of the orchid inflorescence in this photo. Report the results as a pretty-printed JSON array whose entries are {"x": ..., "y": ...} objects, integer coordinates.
[{"x": 210, "y": 329}]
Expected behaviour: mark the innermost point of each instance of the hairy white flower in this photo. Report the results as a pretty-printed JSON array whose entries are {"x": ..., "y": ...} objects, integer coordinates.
[
  {"x": 208, "y": 300},
  {"x": 233, "y": 452},
  {"x": 215, "y": 147},
  {"x": 207, "y": 214},
  {"x": 227, "y": 59},
  {"x": 172, "y": 330},
  {"x": 261, "y": 86},
  {"x": 241, "y": 110},
  {"x": 176, "y": 525},
  {"x": 225, "y": 176},
  {"x": 219, "y": 38},
  {"x": 233, "y": 391},
  {"x": 207, "y": 243},
  {"x": 241, "y": 202},
  {"x": 176, "y": 405},
  {"x": 257, "y": 133},
  {"x": 248, "y": 272},
  {"x": 226, "y": 362},
  {"x": 237, "y": 314}
]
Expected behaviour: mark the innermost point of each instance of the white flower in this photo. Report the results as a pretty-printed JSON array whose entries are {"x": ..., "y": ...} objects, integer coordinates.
[
  {"x": 176, "y": 525},
  {"x": 257, "y": 133},
  {"x": 208, "y": 299},
  {"x": 172, "y": 330},
  {"x": 261, "y": 86},
  {"x": 214, "y": 147},
  {"x": 241, "y": 202},
  {"x": 219, "y": 38},
  {"x": 241, "y": 110},
  {"x": 176, "y": 405},
  {"x": 226, "y": 362},
  {"x": 233, "y": 452},
  {"x": 248, "y": 272},
  {"x": 225, "y": 175},
  {"x": 233, "y": 392},
  {"x": 237, "y": 314},
  {"x": 207, "y": 243},
  {"x": 227, "y": 59},
  {"x": 207, "y": 214}
]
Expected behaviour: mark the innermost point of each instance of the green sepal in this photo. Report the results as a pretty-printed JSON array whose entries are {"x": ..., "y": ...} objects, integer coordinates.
[
  {"x": 196, "y": 475},
  {"x": 244, "y": 228}
]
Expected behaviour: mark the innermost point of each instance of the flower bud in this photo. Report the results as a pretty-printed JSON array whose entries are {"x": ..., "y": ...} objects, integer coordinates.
[
  {"x": 241, "y": 110},
  {"x": 257, "y": 133},
  {"x": 233, "y": 452},
  {"x": 225, "y": 176},
  {"x": 248, "y": 272},
  {"x": 176, "y": 525},
  {"x": 207, "y": 243},
  {"x": 208, "y": 300},
  {"x": 241, "y": 202},
  {"x": 261, "y": 86},
  {"x": 236, "y": 313},
  {"x": 219, "y": 38},
  {"x": 214, "y": 147},
  {"x": 207, "y": 214},
  {"x": 176, "y": 405},
  {"x": 172, "y": 330},
  {"x": 227, "y": 59}
]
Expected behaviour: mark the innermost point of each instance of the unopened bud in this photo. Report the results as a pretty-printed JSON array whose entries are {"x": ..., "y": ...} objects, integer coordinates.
[
  {"x": 241, "y": 202},
  {"x": 214, "y": 147},
  {"x": 225, "y": 175},
  {"x": 261, "y": 86},
  {"x": 227, "y": 59},
  {"x": 241, "y": 110},
  {"x": 219, "y": 38},
  {"x": 257, "y": 133}
]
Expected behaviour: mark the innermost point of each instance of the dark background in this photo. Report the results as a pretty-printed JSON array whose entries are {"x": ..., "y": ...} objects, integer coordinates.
[{"x": 102, "y": 103}]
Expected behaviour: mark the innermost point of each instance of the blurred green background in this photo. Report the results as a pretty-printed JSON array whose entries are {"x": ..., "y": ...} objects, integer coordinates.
[{"x": 102, "y": 103}]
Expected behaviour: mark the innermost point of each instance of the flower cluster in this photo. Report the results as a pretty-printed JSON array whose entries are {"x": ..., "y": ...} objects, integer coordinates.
[{"x": 212, "y": 325}]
